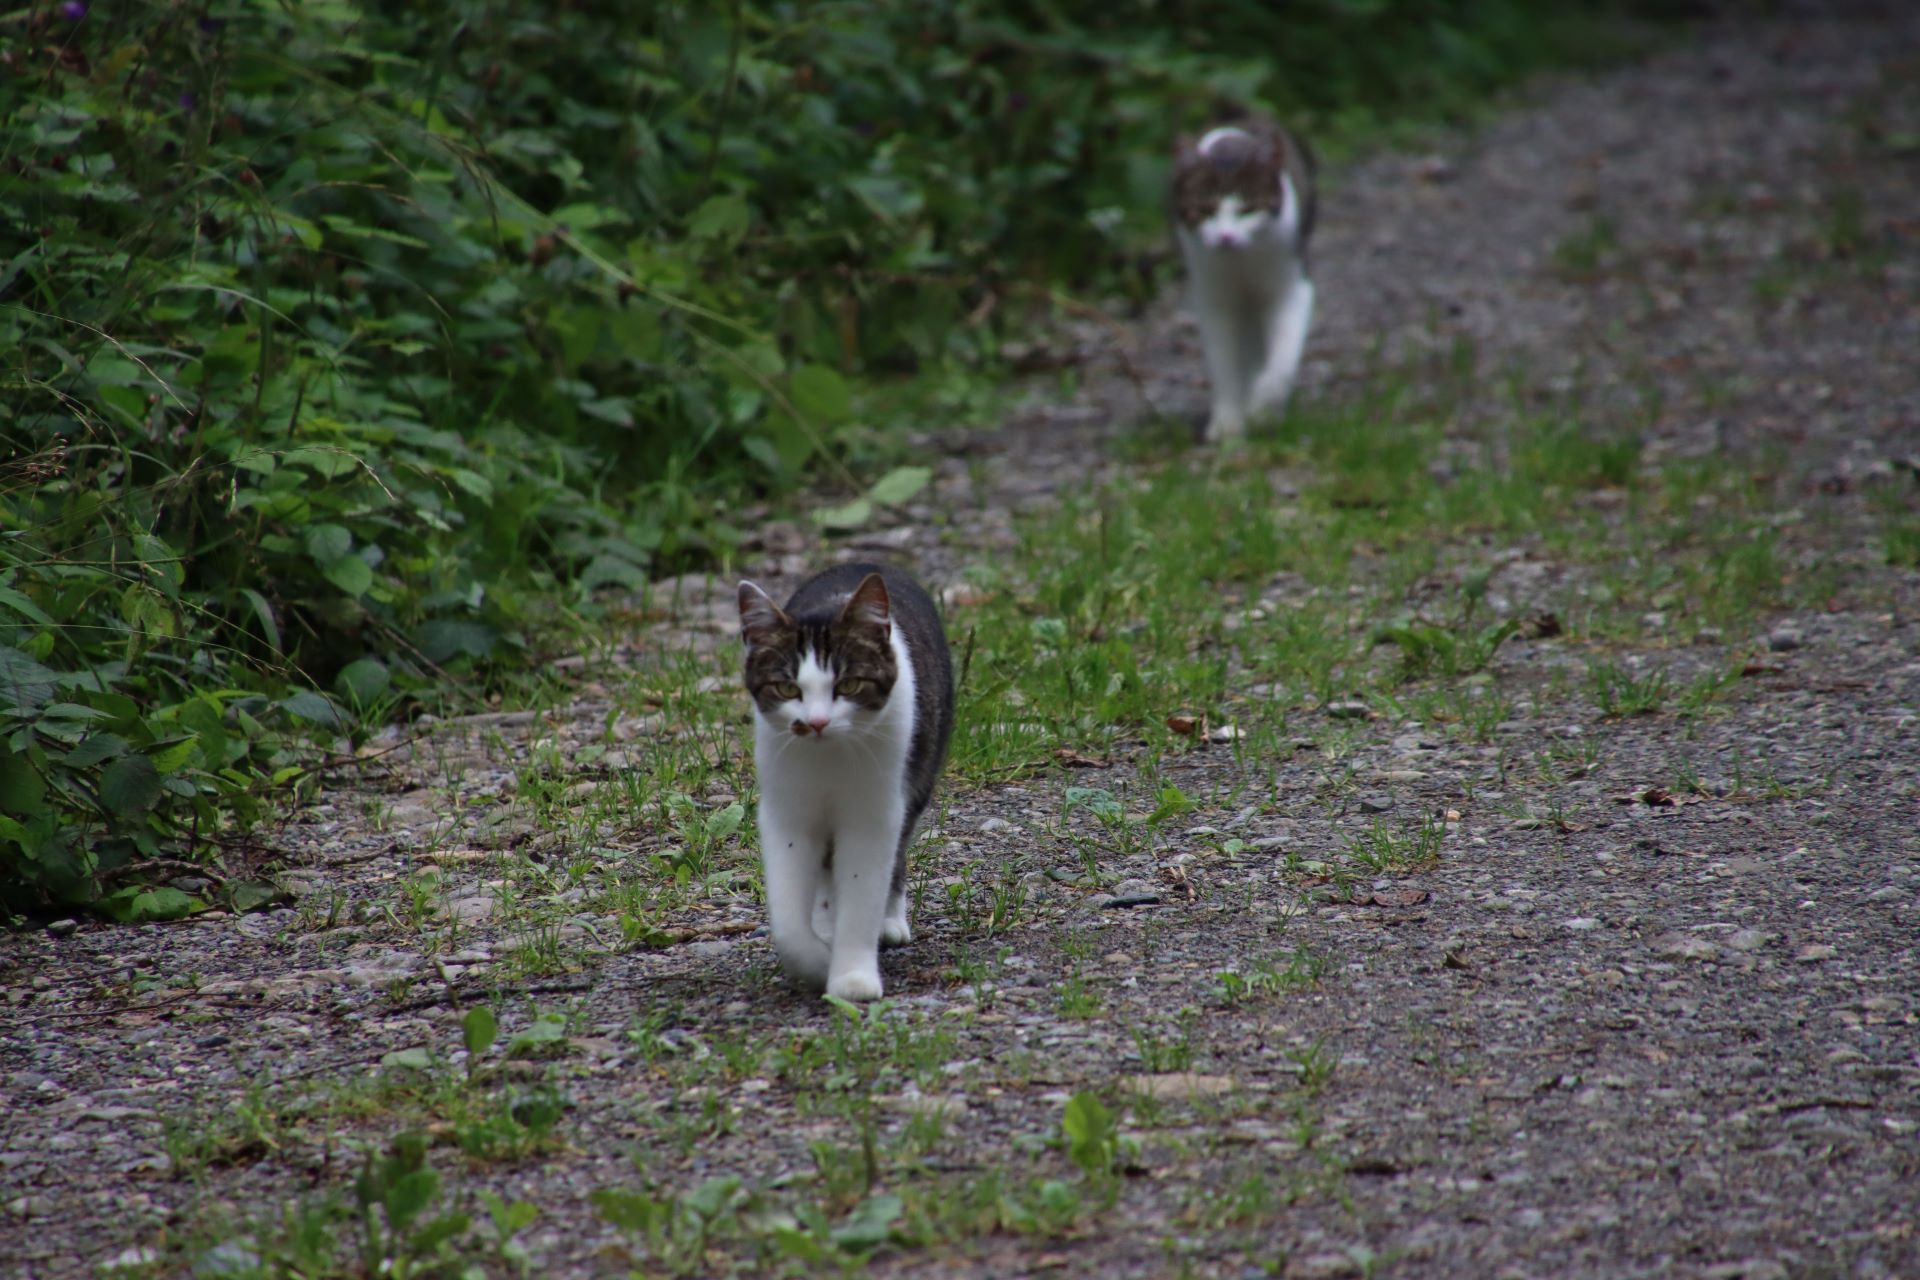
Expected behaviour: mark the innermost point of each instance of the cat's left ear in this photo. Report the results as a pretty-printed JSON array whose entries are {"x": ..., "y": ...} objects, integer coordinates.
[
  {"x": 868, "y": 605},
  {"x": 760, "y": 617}
]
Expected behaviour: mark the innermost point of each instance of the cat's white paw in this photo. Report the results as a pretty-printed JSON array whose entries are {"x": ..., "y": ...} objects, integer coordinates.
[
  {"x": 1223, "y": 428},
  {"x": 859, "y": 986},
  {"x": 895, "y": 931},
  {"x": 805, "y": 960}
]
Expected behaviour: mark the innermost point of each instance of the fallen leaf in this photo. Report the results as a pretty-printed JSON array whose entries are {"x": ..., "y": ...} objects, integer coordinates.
[
  {"x": 1541, "y": 626},
  {"x": 1761, "y": 669},
  {"x": 1227, "y": 733},
  {"x": 1184, "y": 725},
  {"x": 1074, "y": 760}
]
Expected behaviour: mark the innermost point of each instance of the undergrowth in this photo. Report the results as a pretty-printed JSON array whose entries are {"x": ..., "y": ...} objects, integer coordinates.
[{"x": 353, "y": 350}]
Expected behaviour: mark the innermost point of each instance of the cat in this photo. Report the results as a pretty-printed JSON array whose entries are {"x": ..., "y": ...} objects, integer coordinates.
[
  {"x": 852, "y": 687},
  {"x": 1243, "y": 210}
]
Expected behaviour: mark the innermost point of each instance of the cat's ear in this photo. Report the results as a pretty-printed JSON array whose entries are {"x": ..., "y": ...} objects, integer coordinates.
[
  {"x": 760, "y": 617},
  {"x": 868, "y": 605}
]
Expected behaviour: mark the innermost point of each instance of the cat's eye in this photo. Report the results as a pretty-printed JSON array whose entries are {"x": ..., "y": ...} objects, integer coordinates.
[
  {"x": 853, "y": 687},
  {"x": 786, "y": 691}
]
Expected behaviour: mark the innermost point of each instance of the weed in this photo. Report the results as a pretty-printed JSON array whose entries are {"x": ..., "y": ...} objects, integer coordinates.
[
  {"x": 1385, "y": 848},
  {"x": 1618, "y": 691}
]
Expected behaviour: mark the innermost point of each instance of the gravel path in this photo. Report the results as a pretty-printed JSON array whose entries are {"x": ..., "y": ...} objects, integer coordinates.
[{"x": 1620, "y": 1029}]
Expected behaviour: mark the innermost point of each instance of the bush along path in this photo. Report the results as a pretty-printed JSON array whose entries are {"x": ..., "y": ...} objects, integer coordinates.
[{"x": 1469, "y": 832}]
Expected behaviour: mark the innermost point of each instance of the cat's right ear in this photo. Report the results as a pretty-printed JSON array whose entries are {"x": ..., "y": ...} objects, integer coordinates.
[{"x": 760, "y": 617}]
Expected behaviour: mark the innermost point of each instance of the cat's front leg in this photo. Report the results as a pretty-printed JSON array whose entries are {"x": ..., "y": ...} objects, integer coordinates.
[
  {"x": 862, "y": 891},
  {"x": 1293, "y": 318},
  {"x": 791, "y": 859}
]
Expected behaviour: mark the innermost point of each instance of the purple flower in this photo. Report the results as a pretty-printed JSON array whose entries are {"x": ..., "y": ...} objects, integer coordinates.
[
  {"x": 188, "y": 102},
  {"x": 73, "y": 10}
]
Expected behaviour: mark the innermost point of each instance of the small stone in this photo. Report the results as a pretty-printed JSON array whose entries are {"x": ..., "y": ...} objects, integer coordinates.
[
  {"x": 1784, "y": 639},
  {"x": 1751, "y": 1269},
  {"x": 1402, "y": 775},
  {"x": 1226, "y": 733},
  {"x": 1168, "y": 1086},
  {"x": 470, "y": 907},
  {"x": 1684, "y": 946},
  {"x": 1348, "y": 710},
  {"x": 1580, "y": 924},
  {"x": 923, "y": 1104},
  {"x": 139, "y": 1255},
  {"x": 1748, "y": 940},
  {"x": 1323, "y": 1266},
  {"x": 61, "y": 928},
  {"x": 991, "y": 825},
  {"x": 1375, "y": 804},
  {"x": 1815, "y": 952}
]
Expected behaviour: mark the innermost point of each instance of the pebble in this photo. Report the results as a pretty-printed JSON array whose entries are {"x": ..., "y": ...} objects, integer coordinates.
[
  {"x": 1815, "y": 952},
  {"x": 996, "y": 824},
  {"x": 1784, "y": 639},
  {"x": 1323, "y": 1266},
  {"x": 469, "y": 907},
  {"x": 1684, "y": 946},
  {"x": 1348, "y": 710},
  {"x": 1748, "y": 940},
  {"x": 1170, "y": 1085},
  {"x": 61, "y": 928},
  {"x": 1580, "y": 924},
  {"x": 1375, "y": 804}
]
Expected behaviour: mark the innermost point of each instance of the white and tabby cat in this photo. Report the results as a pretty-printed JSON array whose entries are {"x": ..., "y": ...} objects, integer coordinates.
[
  {"x": 1243, "y": 205},
  {"x": 852, "y": 690}
]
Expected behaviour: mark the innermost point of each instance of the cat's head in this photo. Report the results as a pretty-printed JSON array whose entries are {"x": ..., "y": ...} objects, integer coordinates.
[
  {"x": 821, "y": 674},
  {"x": 1227, "y": 187}
]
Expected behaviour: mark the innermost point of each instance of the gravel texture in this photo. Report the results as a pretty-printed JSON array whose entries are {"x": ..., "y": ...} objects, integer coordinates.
[{"x": 1667, "y": 1035}]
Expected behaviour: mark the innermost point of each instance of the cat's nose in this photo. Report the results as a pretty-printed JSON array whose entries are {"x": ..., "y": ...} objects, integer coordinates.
[{"x": 818, "y": 724}]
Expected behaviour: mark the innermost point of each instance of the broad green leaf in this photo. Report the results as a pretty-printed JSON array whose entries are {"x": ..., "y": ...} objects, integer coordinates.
[
  {"x": 409, "y": 1195},
  {"x": 631, "y": 1210},
  {"x": 722, "y": 823},
  {"x": 479, "y": 1029},
  {"x": 130, "y": 787},
  {"x": 1090, "y": 1133},
  {"x": 251, "y": 895},
  {"x": 414, "y": 1059},
  {"x": 96, "y": 748},
  {"x": 351, "y": 574},
  {"x": 328, "y": 542},
  {"x": 363, "y": 680},
  {"x": 900, "y": 484},
  {"x": 155, "y": 904},
  {"x": 445, "y": 639},
  {"x": 25, "y": 685},
  {"x": 324, "y": 461},
  {"x": 848, "y": 515},
  {"x": 870, "y": 1223},
  {"x": 316, "y": 708},
  {"x": 820, "y": 394},
  {"x": 721, "y": 217},
  {"x": 544, "y": 1030},
  {"x": 173, "y": 757},
  {"x": 713, "y": 1196}
]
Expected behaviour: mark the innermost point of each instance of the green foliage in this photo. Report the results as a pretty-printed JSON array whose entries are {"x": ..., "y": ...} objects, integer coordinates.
[{"x": 348, "y": 350}]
